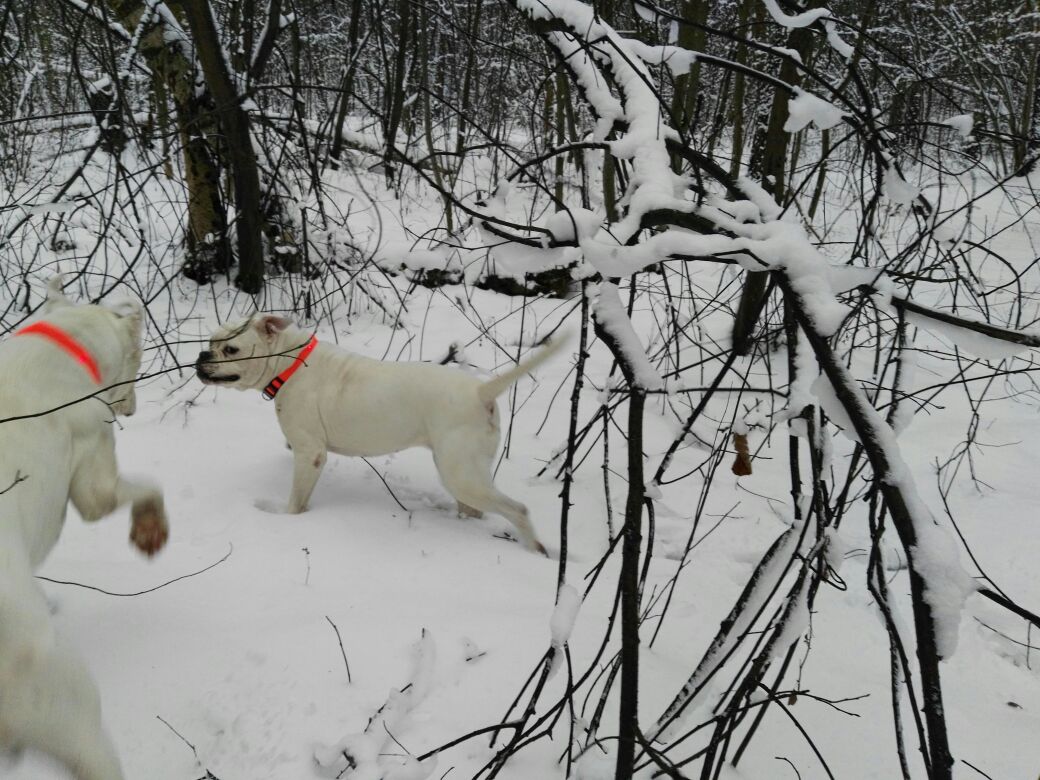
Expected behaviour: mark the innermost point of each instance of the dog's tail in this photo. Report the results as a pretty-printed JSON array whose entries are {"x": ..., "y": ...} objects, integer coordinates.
[{"x": 497, "y": 385}]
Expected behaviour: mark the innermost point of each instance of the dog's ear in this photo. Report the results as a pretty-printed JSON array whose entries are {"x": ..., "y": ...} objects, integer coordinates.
[
  {"x": 127, "y": 308},
  {"x": 131, "y": 311},
  {"x": 270, "y": 325},
  {"x": 55, "y": 297},
  {"x": 131, "y": 317}
]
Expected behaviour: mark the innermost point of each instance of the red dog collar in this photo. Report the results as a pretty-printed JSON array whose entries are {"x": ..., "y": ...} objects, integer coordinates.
[
  {"x": 67, "y": 343},
  {"x": 275, "y": 384}
]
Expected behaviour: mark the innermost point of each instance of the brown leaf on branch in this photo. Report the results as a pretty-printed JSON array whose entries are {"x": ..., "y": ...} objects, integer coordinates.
[{"x": 742, "y": 463}]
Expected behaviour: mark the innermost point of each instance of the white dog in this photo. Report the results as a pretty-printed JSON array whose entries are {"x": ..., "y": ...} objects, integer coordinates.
[
  {"x": 53, "y": 450},
  {"x": 331, "y": 400}
]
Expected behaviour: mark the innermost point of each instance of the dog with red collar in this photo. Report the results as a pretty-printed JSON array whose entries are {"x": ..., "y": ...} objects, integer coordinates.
[
  {"x": 65, "y": 377},
  {"x": 331, "y": 400}
]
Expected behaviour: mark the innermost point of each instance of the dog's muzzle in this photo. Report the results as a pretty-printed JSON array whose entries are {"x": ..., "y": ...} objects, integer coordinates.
[{"x": 204, "y": 370}]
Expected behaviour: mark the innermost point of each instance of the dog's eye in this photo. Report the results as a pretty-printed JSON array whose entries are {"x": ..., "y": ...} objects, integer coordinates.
[{"x": 230, "y": 350}]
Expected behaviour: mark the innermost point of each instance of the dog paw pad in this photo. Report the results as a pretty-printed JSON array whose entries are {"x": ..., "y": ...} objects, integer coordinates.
[{"x": 149, "y": 530}]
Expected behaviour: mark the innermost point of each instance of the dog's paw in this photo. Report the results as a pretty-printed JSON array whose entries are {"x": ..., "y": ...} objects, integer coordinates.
[
  {"x": 465, "y": 511},
  {"x": 271, "y": 507},
  {"x": 149, "y": 529},
  {"x": 533, "y": 545}
]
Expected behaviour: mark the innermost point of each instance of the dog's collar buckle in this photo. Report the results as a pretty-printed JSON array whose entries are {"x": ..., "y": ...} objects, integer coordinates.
[
  {"x": 275, "y": 384},
  {"x": 57, "y": 336}
]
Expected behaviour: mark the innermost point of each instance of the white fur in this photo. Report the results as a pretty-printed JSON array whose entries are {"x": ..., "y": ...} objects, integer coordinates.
[
  {"x": 348, "y": 404},
  {"x": 48, "y": 700}
]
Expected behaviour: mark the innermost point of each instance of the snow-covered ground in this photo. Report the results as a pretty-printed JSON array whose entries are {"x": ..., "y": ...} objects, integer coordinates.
[
  {"x": 238, "y": 670},
  {"x": 242, "y": 661}
]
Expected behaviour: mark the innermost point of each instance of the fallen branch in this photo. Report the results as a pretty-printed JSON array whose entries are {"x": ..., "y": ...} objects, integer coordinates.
[{"x": 231, "y": 549}]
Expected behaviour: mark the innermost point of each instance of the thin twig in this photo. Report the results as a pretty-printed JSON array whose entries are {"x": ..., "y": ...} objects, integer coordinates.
[
  {"x": 231, "y": 549},
  {"x": 346, "y": 663}
]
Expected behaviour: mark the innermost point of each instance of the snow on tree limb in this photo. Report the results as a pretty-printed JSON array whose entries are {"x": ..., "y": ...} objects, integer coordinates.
[{"x": 611, "y": 316}]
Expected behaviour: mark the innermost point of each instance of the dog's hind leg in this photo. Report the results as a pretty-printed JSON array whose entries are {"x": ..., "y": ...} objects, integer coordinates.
[
  {"x": 467, "y": 476},
  {"x": 50, "y": 703},
  {"x": 97, "y": 490},
  {"x": 61, "y": 717},
  {"x": 465, "y": 510}
]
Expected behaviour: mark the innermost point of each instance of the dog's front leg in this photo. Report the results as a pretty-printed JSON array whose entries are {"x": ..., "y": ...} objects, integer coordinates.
[
  {"x": 97, "y": 490},
  {"x": 149, "y": 528},
  {"x": 308, "y": 461},
  {"x": 307, "y": 465}
]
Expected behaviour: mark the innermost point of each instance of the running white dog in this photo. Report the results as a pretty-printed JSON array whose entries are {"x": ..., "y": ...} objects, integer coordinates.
[
  {"x": 331, "y": 400},
  {"x": 54, "y": 449}
]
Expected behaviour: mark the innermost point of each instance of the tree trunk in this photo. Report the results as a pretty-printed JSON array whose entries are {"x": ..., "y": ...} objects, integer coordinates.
[
  {"x": 1030, "y": 124},
  {"x": 347, "y": 84},
  {"x": 235, "y": 123},
  {"x": 684, "y": 102},
  {"x": 631, "y": 550},
  {"x": 628, "y": 714},
  {"x": 396, "y": 108},
  {"x": 739, "y": 90},
  {"x": 209, "y": 251},
  {"x": 769, "y": 166},
  {"x": 207, "y": 247}
]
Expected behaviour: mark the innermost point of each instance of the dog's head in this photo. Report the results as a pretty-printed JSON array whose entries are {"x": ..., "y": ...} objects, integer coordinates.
[
  {"x": 115, "y": 330},
  {"x": 128, "y": 320},
  {"x": 238, "y": 352}
]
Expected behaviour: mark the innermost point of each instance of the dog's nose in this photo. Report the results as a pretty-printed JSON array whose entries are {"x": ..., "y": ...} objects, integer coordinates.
[{"x": 205, "y": 357}]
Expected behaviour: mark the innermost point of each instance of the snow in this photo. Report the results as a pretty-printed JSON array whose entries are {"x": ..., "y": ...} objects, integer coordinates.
[
  {"x": 828, "y": 401},
  {"x": 611, "y": 316},
  {"x": 568, "y": 602},
  {"x": 896, "y": 188},
  {"x": 60, "y": 207},
  {"x": 796, "y": 622},
  {"x": 838, "y": 546},
  {"x": 903, "y": 414},
  {"x": 573, "y": 224},
  {"x": 597, "y": 763},
  {"x": 806, "y": 108},
  {"x": 89, "y": 8},
  {"x": 607, "y": 108},
  {"x": 947, "y": 229},
  {"x": 373, "y": 753},
  {"x": 700, "y": 692},
  {"x": 800, "y": 394},
  {"x": 653, "y": 184},
  {"x": 978, "y": 344},
  {"x": 803, "y": 19},
  {"x": 836, "y": 42},
  {"x": 766, "y": 204},
  {"x": 678, "y": 59},
  {"x": 947, "y": 584},
  {"x": 646, "y": 13},
  {"x": 241, "y": 659},
  {"x": 849, "y": 277},
  {"x": 963, "y": 124}
]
